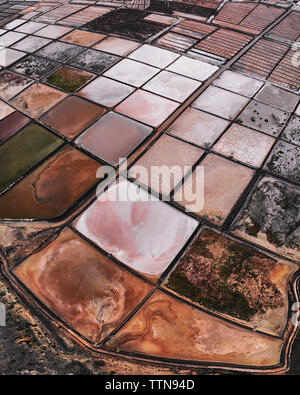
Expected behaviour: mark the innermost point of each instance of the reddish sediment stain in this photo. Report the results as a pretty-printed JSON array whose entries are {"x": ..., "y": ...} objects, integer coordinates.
[
  {"x": 72, "y": 116},
  {"x": 52, "y": 188},
  {"x": 166, "y": 327},
  {"x": 11, "y": 125},
  {"x": 82, "y": 286}
]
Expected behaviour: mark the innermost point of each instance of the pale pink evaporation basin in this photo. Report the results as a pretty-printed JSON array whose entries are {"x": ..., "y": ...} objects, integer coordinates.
[{"x": 144, "y": 234}]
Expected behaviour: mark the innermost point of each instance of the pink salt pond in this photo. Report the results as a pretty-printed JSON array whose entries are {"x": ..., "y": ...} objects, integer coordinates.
[{"x": 144, "y": 233}]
